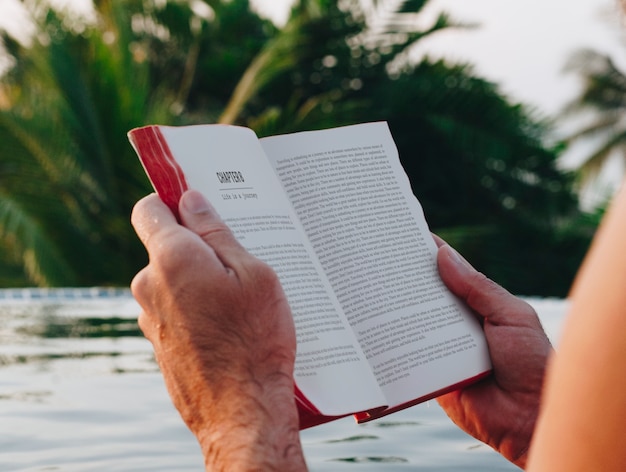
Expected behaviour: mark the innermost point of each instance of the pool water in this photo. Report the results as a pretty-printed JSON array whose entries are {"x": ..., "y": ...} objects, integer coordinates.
[{"x": 80, "y": 391}]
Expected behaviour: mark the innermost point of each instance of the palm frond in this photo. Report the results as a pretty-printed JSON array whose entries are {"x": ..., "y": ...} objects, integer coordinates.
[
  {"x": 602, "y": 105},
  {"x": 39, "y": 256},
  {"x": 388, "y": 20},
  {"x": 277, "y": 56},
  {"x": 595, "y": 162}
]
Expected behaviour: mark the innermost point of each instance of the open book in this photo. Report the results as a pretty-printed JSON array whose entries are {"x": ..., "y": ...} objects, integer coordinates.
[{"x": 333, "y": 214}]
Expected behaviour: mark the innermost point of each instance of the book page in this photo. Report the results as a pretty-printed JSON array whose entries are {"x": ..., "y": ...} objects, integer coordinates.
[
  {"x": 226, "y": 163},
  {"x": 368, "y": 230}
]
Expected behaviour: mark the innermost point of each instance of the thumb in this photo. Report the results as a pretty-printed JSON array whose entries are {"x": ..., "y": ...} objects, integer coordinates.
[
  {"x": 456, "y": 272},
  {"x": 200, "y": 217},
  {"x": 485, "y": 297}
]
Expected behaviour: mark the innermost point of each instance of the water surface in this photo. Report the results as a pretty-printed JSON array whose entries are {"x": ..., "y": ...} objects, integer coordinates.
[{"x": 80, "y": 391}]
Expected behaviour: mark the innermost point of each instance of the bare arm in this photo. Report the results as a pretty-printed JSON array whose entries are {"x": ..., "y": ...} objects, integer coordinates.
[
  {"x": 223, "y": 336},
  {"x": 583, "y": 420}
]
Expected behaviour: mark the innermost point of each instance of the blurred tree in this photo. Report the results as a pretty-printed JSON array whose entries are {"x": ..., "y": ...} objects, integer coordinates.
[
  {"x": 68, "y": 178},
  {"x": 600, "y": 109},
  {"x": 477, "y": 163}
]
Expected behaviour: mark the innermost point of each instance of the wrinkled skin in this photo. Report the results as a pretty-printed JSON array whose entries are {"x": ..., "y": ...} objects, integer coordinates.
[
  {"x": 501, "y": 410},
  {"x": 224, "y": 339},
  {"x": 223, "y": 336}
]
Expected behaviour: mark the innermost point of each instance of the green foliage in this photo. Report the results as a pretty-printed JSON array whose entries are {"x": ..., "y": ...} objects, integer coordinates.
[
  {"x": 68, "y": 178},
  {"x": 601, "y": 105},
  {"x": 477, "y": 163}
]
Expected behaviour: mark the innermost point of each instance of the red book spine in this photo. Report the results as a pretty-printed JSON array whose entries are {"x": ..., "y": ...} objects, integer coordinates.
[
  {"x": 168, "y": 180},
  {"x": 163, "y": 171}
]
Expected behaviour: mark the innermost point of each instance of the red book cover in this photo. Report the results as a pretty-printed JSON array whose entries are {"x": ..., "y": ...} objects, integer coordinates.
[{"x": 458, "y": 360}]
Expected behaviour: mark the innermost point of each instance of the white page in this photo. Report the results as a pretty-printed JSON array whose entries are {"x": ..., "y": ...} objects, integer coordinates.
[
  {"x": 227, "y": 165},
  {"x": 368, "y": 230}
]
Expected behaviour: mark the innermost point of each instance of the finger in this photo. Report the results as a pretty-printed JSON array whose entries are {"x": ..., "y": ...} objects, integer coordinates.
[
  {"x": 455, "y": 270},
  {"x": 438, "y": 240},
  {"x": 150, "y": 215},
  {"x": 142, "y": 288},
  {"x": 145, "y": 324},
  {"x": 199, "y": 216},
  {"x": 485, "y": 297},
  {"x": 169, "y": 244}
]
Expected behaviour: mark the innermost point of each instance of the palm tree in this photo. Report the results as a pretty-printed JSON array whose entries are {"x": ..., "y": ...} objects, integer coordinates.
[
  {"x": 68, "y": 182},
  {"x": 68, "y": 177},
  {"x": 477, "y": 163},
  {"x": 480, "y": 165},
  {"x": 313, "y": 61},
  {"x": 600, "y": 111}
]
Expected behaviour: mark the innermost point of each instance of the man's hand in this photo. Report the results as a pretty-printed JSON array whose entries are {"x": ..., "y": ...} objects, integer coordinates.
[
  {"x": 223, "y": 336},
  {"x": 501, "y": 410}
]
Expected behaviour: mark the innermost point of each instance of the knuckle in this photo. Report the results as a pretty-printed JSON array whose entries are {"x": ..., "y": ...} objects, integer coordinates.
[
  {"x": 262, "y": 273},
  {"x": 143, "y": 323},
  {"x": 138, "y": 284},
  {"x": 478, "y": 285},
  {"x": 174, "y": 254},
  {"x": 138, "y": 208},
  {"x": 210, "y": 230}
]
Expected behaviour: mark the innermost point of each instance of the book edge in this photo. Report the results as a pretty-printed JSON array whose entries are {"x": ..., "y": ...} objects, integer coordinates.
[{"x": 364, "y": 417}]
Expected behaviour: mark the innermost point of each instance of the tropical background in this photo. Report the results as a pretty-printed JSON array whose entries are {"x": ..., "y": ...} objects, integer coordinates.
[{"x": 485, "y": 168}]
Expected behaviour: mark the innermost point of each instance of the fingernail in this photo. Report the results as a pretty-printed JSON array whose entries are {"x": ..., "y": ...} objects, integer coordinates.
[
  {"x": 459, "y": 261},
  {"x": 194, "y": 202}
]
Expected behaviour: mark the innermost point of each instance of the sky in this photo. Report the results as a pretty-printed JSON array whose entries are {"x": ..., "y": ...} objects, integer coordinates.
[{"x": 522, "y": 45}]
